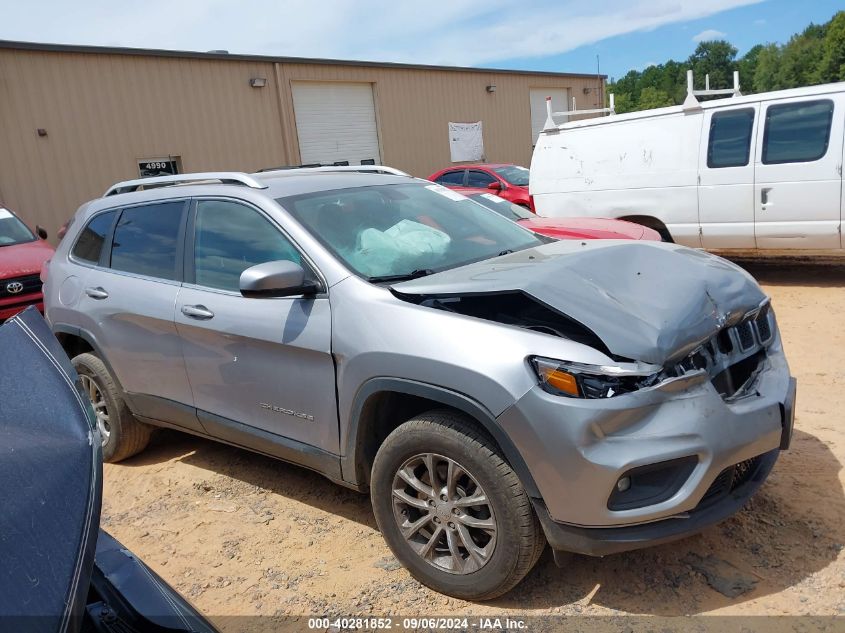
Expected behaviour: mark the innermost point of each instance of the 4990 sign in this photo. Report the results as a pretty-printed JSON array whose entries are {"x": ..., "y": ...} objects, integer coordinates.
[{"x": 157, "y": 167}]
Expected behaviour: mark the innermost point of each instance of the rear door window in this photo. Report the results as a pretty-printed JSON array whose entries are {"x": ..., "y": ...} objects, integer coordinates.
[
  {"x": 231, "y": 237},
  {"x": 453, "y": 178},
  {"x": 730, "y": 138},
  {"x": 479, "y": 179},
  {"x": 146, "y": 239},
  {"x": 797, "y": 132}
]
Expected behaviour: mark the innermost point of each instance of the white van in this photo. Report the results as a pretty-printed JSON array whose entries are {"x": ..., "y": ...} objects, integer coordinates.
[{"x": 761, "y": 171}]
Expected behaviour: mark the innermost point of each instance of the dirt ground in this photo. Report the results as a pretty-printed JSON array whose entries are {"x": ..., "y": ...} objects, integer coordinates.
[{"x": 240, "y": 534}]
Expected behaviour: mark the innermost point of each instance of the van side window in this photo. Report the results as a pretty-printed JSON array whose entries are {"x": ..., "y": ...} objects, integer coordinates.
[
  {"x": 146, "y": 239},
  {"x": 797, "y": 132},
  {"x": 730, "y": 138},
  {"x": 89, "y": 245},
  {"x": 230, "y": 237}
]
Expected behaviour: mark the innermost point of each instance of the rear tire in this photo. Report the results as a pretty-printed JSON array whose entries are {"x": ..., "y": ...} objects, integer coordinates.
[
  {"x": 432, "y": 533},
  {"x": 122, "y": 434}
]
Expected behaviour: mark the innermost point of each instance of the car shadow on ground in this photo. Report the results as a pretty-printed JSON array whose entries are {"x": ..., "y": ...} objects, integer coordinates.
[
  {"x": 273, "y": 475},
  {"x": 804, "y": 272},
  {"x": 772, "y": 544}
]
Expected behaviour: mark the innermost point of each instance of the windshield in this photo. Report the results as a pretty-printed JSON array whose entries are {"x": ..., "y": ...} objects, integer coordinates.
[
  {"x": 513, "y": 174},
  {"x": 12, "y": 230},
  {"x": 389, "y": 232},
  {"x": 503, "y": 207}
]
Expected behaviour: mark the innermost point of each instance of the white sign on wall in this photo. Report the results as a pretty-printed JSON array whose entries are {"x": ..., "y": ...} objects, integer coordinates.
[{"x": 466, "y": 142}]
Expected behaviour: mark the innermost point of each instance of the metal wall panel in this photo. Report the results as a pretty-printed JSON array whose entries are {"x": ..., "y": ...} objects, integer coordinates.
[{"x": 104, "y": 111}]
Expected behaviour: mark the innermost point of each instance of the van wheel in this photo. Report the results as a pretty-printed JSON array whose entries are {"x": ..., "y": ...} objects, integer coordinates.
[
  {"x": 122, "y": 435},
  {"x": 452, "y": 509}
]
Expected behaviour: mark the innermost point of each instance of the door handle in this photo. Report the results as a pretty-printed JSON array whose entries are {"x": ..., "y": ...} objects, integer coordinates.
[
  {"x": 197, "y": 312},
  {"x": 97, "y": 293},
  {"x": 764, "y": 195}
]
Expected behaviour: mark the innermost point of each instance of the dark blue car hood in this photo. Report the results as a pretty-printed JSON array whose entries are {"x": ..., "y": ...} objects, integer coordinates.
[{"x": 51, "y": 471}]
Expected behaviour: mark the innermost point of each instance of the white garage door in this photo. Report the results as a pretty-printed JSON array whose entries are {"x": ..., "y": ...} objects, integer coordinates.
[
  {"x": 335, "y": 122},
  {"x": 560, "y": 103}
]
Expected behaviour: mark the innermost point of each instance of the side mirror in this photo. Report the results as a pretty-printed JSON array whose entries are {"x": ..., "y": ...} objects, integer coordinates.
[
  {"x": 495, "y": 185},
  {"x": 40, "y": 232},
  {"x": 276, "y": 279}
]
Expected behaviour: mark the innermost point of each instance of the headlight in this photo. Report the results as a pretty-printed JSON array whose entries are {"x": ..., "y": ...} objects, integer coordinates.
[{"x": 577, "y": 380}]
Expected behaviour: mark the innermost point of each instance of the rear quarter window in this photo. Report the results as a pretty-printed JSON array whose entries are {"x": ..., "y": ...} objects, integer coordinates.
[{"x": 89, "y": 244}]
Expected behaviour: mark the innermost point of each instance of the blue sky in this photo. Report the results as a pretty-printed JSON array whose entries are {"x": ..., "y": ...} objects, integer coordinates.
[
  {"x": 744, "y": 27},
  {"x": 559, "y": 35}
]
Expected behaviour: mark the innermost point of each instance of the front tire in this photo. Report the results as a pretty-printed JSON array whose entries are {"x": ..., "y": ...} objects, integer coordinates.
[
  {"x": 452, "y": 509},
  {"x": 122, "y": 434}
]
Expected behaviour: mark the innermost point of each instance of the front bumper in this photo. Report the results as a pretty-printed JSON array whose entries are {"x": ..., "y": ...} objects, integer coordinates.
[
  {"x": 603, "y": 541},
  {"x": 577, "y": 450},
  {"x": 10, "y": 306}
]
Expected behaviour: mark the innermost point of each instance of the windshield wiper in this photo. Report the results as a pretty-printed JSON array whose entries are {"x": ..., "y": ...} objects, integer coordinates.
[
  {"x": 414, "y": 274},
  {"x": 506, "y": 252}
]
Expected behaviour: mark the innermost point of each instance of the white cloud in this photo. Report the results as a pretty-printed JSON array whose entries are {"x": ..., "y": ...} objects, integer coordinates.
[
  {"x": 707, "y": 35},
  {"x": 463, "y": 32}
]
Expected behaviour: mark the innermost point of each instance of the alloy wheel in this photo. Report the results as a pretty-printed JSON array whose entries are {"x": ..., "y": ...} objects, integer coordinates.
[
  {"x": 444, "y": 514},
  {"x": 98, "y": 403}
]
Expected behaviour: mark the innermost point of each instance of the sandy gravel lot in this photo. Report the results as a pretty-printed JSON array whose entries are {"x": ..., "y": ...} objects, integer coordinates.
[{"x": 240, "y": 534}]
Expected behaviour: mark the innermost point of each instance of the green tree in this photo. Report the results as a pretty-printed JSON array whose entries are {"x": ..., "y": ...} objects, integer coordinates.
[
  {"x": 651, "y": 97},
  {"x": 747, "y": 67},
  {"x": 832, "y": 64},
  {"x": 815, "y": 55},
  {"x": 799, "y": 63},
  {"x": 766, "y": 70},
  {"x": 715, "y": 58}
]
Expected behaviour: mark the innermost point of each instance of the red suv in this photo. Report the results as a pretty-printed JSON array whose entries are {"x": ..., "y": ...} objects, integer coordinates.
[
  {"x": 22, "y": 253},
  {"x": 505, "y": 180}
]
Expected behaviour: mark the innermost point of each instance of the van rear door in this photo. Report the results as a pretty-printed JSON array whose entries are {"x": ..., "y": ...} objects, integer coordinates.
[
  {"x": 726, "y": 177},
  {"x": 798, "y": 174}
]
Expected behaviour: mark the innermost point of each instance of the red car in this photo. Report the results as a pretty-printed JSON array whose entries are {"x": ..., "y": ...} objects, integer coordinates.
[
  {"x": 22, "y": 253},
  {"x": 562, "y": 228},
  {"x": 507, "y": 181}
]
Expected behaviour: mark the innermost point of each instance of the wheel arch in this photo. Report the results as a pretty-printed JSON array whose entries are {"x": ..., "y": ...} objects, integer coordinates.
[
  {"x": 651, "y": 222},
  {"x": 401, "y": 399},
  {"x": 75, "y": 341}
]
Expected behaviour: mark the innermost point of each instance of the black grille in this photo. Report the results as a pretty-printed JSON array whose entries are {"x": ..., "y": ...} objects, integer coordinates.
[
  {"x": 31, "y": 283},
  {"x": 764, "y": 328},
  {"x": 745, "y": 332},
  {"x": 720, "y": 486},
  {"x": 730, "y": 479},
  {"x": 744, "y": 471}
]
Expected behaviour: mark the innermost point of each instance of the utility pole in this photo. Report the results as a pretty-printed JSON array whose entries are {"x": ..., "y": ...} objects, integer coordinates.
[{"x": 600, "y": 104}]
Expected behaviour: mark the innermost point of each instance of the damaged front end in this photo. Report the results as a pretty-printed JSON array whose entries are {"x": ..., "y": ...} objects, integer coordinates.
[{"x": 658, "y": 312}]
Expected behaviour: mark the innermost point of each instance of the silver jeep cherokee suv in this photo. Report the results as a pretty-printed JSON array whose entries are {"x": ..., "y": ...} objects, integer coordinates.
[{"x": 490, "y": 388}]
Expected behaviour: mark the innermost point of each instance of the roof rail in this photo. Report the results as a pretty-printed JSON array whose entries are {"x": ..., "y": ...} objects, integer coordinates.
[
  {"x": 691, "y": 103},
  {"x": 550, "y": 121},
  {"x": 294, "y": 169},
  {"x": 223, "y": 177}
]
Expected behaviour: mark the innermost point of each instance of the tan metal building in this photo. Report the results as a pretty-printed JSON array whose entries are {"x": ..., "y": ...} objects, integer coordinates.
[{"x": 75, "y": 119}]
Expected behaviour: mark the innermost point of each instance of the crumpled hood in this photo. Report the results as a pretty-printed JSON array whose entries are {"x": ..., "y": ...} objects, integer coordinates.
[{"x": 647, "y": 301}]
